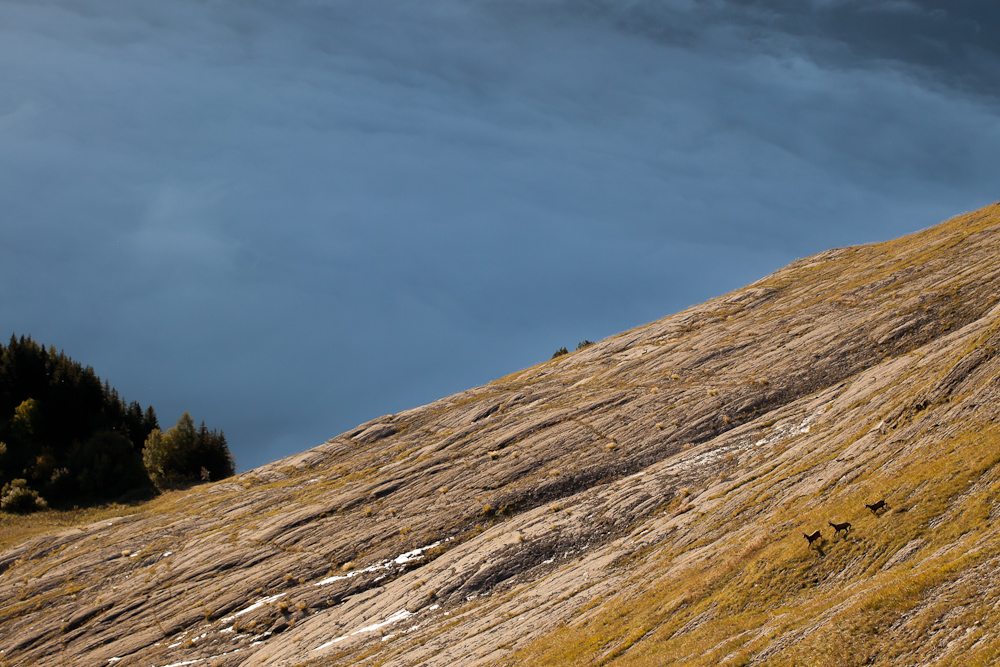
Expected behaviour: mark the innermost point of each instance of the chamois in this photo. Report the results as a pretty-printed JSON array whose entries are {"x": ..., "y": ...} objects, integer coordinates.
[
  {"x": 812, "y": 538},
  {"x": 875, "y": 507},
  {"x": 837, "y": 527}
]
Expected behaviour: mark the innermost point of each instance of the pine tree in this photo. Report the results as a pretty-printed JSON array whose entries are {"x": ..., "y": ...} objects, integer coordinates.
[{"x": 183, "y": 455}]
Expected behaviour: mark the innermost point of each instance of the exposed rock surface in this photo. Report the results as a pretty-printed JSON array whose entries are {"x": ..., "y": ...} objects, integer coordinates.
[{"x": 466, "y": 530}]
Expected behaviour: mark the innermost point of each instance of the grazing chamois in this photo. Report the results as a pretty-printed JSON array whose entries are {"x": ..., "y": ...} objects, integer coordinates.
[
  {"x": 875, "y": 507},
  {"x": 837, "y": 527},
  {"x": 812, "y": 538}
]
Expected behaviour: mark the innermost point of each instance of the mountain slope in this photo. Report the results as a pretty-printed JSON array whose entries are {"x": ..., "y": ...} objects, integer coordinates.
[{"x": 641, "y": 501}]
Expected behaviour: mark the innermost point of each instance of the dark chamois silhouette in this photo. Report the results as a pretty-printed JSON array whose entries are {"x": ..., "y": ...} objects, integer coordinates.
[
  {"x": 875, "y": 507},
  {"x": 812, "y": 538},
  {"x": 837, "y": 527}
]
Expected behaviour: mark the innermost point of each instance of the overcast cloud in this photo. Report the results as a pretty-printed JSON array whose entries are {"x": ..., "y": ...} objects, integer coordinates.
[{"x": 291, "y": 217}]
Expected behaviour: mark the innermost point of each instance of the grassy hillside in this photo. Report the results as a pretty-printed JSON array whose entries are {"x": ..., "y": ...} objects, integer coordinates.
[
  {"x": 915, "y": 585},
  {"x": 640, "y": 501}
]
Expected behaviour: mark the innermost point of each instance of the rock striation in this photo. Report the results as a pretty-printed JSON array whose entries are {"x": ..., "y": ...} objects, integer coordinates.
[{"x": 639, "y": 501}]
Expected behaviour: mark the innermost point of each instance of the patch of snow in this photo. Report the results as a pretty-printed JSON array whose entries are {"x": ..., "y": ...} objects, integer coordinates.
[
  {"x": 783, "y": 431},
  {"x": 256, "y": 605},
  {"x": 259, "y": 639},
  {"x": 546, "y": 562},
  {"x": 168, "y": 554},
  {"x": 415, "y": 554},
  {"x": 401, "y": 559},
  {"x": 400, "y": 615}
]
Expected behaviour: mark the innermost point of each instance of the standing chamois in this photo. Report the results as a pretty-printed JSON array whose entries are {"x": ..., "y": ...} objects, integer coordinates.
[
  {"x": 837, "y": 527},
  {"x": 876, "y": 507}
]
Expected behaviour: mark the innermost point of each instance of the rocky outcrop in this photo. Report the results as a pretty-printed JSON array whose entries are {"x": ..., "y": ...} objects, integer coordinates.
[{"x": 466, "y": 531}]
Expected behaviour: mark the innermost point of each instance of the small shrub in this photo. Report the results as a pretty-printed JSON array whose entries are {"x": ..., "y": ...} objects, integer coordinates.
[
  {"x": 17, "y": 498},
  {"x": 560, "y": 352},
  {"x": 584, "y": 343}
]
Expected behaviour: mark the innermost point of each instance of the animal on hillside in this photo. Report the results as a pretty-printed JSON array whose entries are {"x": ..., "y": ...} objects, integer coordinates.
[
  {"x": 812, "y": 538},
  {"x": 837, "y": 527},
  {"x": 876, "y": 507}
]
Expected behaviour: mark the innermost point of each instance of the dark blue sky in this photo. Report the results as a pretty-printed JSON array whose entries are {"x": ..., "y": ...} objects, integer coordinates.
[{"x": 291, "y": 217}]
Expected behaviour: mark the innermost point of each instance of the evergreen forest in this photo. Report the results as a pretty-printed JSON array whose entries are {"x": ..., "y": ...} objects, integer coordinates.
[{"x": 67, "y": 438}]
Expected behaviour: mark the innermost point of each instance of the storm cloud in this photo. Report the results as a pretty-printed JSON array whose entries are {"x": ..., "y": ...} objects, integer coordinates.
[{"x": 291, "y": 217}]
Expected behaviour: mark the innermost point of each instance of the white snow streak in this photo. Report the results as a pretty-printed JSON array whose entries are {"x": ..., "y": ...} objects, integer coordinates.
[{"x": 400, "y": 615}]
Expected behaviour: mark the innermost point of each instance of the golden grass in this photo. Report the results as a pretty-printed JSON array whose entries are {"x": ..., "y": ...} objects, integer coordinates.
[
  {"x": 831, "y": 609},
  {"x": 18, "y": 528}
]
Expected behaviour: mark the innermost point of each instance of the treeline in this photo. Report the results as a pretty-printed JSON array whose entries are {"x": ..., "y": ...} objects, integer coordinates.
[{"x": 68, "y": 439}]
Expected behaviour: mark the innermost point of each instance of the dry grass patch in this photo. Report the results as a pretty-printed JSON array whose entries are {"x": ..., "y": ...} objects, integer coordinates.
[{"x": 805, "y": 607}]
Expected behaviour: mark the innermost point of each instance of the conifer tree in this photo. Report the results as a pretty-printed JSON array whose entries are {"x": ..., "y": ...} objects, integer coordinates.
[{"x": 180, "y": 455}]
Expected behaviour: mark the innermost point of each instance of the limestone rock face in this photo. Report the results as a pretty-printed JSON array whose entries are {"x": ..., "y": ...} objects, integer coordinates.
[{"x": 667, "y": 470}]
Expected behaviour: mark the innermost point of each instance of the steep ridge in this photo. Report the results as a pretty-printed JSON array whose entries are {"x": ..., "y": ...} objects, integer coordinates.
[{"x": 640, "y": 501}]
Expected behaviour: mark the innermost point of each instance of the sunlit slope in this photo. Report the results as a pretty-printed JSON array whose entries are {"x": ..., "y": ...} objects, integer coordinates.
[
  {"x": 640, "y": 501},
  {"x": 736, "y": 583}
]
